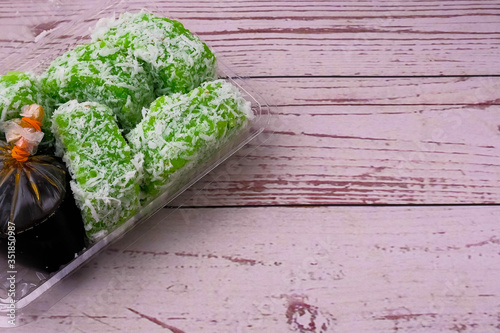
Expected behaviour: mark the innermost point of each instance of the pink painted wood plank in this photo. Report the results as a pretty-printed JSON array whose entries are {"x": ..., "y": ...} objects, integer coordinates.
[
  {"x": 363, "y": 155},
  {"x": 290, "y": 38},
  {"x": 385, "y": 141},
  {"x": 358, "y": 269},
  {"x": 474, "y": 92}
]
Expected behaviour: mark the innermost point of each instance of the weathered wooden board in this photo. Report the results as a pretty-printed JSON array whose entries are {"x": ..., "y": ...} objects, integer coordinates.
[
  {"x": 475, "y": 92},
  {"x": 362, "y": 117},
  {"x": 290, "y": 38},
  {"x": 354, "y": 141},
  {"x": 338, "y": 140},
  {"x": 360, "y": 269},
  {"x": 363, "y": 154}
]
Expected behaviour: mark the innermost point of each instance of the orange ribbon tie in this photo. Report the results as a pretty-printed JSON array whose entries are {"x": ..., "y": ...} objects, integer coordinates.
[
  {"x": 20, "y": 154},
  {"x": 35, "y": 123}
]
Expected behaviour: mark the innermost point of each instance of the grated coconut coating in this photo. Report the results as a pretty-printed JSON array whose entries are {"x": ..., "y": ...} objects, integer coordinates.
[
  {"x": 181, "y": 130},
  {"x": 178, "y": 60},
  {"x": 100, "y": 73},
  {"x": 104, "y": 172}
]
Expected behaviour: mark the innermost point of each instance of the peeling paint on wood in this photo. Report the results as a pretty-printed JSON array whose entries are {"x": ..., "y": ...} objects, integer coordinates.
[
  {"x": 360, "y": 269},
  {"x": 377, "y": 102}
]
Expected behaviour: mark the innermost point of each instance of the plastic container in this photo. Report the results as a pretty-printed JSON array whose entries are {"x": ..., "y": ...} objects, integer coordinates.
[{"x": 37, "y": 291}]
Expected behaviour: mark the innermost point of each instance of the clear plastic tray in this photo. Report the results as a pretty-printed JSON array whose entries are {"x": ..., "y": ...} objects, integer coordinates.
[{"x": 37, "y": 291}]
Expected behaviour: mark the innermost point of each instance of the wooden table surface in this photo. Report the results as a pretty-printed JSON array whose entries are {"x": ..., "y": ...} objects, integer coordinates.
[{"x": 370, "y": 203}]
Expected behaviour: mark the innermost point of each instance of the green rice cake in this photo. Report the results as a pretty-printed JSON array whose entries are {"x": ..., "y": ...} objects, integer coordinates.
[
  {"x": 182, "y": 129},
  {"x": 104, "y": 172},
  {"x": 99, "y": 73},
  {"x": 179, "y": 60}
]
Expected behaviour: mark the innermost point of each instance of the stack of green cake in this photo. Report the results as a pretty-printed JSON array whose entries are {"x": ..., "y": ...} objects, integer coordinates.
[{"x": 142, "y": 76}]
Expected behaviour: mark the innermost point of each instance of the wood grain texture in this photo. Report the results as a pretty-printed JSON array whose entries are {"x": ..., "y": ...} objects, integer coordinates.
[
  {"x": 377, "y": 102},
  {"x": 382, "y": 141},
  {"x": 362, "y": 269},
  {"x": 475, "y": 92},
  {"x": 293, "y": 38},
  {"x": 440, "y": 156}
]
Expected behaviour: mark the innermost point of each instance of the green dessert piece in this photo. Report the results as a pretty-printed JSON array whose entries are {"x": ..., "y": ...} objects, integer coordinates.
[
  {"x": 99, "y": 73},
  {"x": 179, "y": 60},
  {"x": 18, "y": 89},
  {"x": 104, "y": 172},
  {"x": 182, "y": 130}
]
